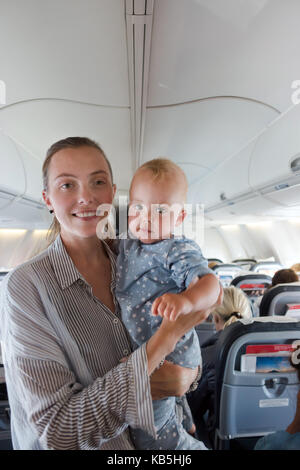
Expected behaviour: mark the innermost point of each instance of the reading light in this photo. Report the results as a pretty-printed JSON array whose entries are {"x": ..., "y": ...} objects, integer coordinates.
[
  {"x": 40, "y": 232},
  {"x": 295, "y": 221},
  {"x": 258, "y": 224},
  {"x": 12, "y": 231},
  {"x": 230, "y": 227}
]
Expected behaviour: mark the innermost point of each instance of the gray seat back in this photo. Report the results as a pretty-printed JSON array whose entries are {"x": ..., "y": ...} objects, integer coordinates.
[
  {"x": 256, "y": 403},
  {"x": 254, "y": 286},
  {"x": 283, "y": 299},
  {"x": 204, "y": 331},
  {"x": 227, "y": 272}
]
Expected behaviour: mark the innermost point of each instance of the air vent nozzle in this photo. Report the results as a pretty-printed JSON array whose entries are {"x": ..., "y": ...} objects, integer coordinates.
[{"x": 295, "y": 164}]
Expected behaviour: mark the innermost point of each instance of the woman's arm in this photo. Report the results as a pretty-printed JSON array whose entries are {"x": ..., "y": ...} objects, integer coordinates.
[
  {"x": 171, "y": 380},
  {"x": 47, "y": 396}
]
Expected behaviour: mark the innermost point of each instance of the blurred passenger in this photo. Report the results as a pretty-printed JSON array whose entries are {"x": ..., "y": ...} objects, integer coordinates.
[
  {"x": 235, "y": 306},
  {"x": 212, "y": 264},
  {"x": 296, "y": 268},
  {"x": 284, "y": 276}
]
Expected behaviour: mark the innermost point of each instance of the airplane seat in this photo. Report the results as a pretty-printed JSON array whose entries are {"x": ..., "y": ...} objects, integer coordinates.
[
  {"x": 266, "y": 267},
  {"x": 282, "y": 299},
  {"x": 254, "y": 286},
  {"x": 226, "y": 272},
  {"x": 250, "y": 404},
  {"x": 2, "y": 275},
  {"x": 246, "y": 263},
  {"x": 3, "y": 390},
  {"x": 5, "y": 433},
  {"x": 205, "y": 330},
  {"x": 214, "y": 260}
]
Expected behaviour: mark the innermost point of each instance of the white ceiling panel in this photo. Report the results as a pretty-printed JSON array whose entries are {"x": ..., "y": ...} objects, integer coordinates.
[
  {"x": 276, "y": 148},
  {"x": 203, "y": 48},
  {"x": 220, "y": 71},
  {"x": 37, "y": 125},
  {"x": 200, "y": 135},
  {"x": 72, "y": 49},
  {"x": 228, "y": 180},
  {"x": 12, "y": 168}
]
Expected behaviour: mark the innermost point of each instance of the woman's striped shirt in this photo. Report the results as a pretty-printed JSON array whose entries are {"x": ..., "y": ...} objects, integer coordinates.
[{"x": 61, "y": 349}]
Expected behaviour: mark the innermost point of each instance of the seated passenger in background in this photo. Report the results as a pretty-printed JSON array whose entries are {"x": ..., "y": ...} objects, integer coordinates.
[
  {"x": 296, "y": 268},
  {"x": 235, "y": 306},
  {"x": 212, "y": 264},
  {"x": 284, "y": 276},
  {"x": 290, "y": 438},
  {"x": 159, "y": 275}
]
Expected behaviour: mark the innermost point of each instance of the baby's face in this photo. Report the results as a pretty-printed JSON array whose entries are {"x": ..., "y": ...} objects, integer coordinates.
[{"x": 156, "y": 206}]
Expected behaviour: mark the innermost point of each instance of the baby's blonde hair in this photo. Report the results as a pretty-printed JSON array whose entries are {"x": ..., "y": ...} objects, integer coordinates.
[
  {"x": 163, "y": 167},
  {"x": 235, "y": 306}
]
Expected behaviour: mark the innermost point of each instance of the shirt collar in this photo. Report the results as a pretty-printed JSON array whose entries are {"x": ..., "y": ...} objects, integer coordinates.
[{"x": 63, "y": 266}]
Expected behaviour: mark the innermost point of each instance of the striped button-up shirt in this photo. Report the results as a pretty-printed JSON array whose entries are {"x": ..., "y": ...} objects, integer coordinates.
[{"x": 61, "y": 350}]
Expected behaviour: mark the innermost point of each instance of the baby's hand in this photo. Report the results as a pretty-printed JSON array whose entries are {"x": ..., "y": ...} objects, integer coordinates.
[{"x": 171, "y": 306}]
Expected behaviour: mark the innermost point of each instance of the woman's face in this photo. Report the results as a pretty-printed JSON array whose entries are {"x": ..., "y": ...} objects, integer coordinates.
[{"x": 79, "y": 182}]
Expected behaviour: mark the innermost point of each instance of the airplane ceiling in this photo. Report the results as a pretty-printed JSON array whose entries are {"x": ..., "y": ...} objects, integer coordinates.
[{"x": 211, "y": 78}]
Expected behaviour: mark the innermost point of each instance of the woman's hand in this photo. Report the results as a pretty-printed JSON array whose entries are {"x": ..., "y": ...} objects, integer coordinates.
[
  {"x": 171, "y": 380},
  {"x": 164, "y": 340}
]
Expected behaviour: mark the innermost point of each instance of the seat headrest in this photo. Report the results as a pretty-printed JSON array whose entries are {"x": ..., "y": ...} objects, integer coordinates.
[
  {"x": 266, "y": 265},
  {"x": 282, "y": 292},
  {"x": 251, "y": 278},
  {"x": 227, "y": 266}
]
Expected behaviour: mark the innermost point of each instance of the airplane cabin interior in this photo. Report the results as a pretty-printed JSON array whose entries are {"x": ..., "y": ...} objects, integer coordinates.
[{"x": 214, "y": 86}]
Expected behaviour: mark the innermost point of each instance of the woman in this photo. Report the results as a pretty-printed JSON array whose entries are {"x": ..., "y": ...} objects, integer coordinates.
[
  {"x": 235, "y": 306},
  {"x": 61, "y": 330}
]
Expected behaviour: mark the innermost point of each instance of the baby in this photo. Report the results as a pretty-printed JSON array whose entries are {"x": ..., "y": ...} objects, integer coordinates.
[{"x": 162, "y": 276}]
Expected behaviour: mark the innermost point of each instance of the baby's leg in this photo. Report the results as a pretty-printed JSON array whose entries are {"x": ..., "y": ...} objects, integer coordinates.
[
  {"x": 170, "y": 433},
  {"x": 187, "y": 418}
]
